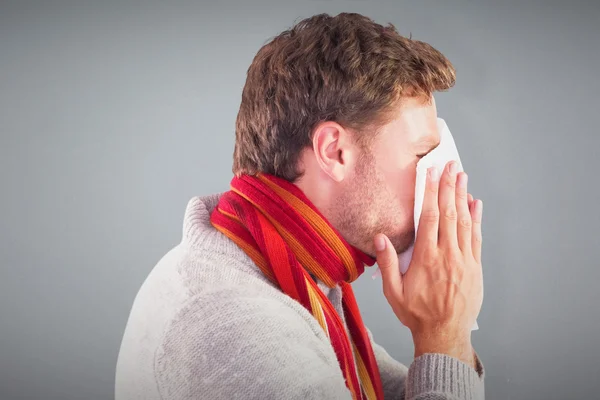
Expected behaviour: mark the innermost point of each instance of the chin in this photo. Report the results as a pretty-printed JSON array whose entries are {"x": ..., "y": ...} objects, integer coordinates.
[
  {"x": 403, "y": 241},
  {"x": 367, "y": 248}
]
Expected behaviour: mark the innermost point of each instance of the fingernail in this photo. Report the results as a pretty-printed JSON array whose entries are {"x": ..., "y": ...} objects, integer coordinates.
[
  {"x": 476, "y": 207},
  {"x": 379, "y": 243},
  {"x": 434, "y": 174},
  {"x": 462, "y": 180},
  {"x": 453, "y": 168}
]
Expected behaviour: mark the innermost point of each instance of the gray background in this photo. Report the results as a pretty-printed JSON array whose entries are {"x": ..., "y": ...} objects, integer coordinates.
[{"x": 114, "y": 114}]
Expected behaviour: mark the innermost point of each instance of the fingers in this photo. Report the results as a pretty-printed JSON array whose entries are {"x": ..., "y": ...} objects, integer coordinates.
[
  {"x": 427, "y": 234},
  {"x": 469, "y": 200},
  {"x": 464, "y": 224},
  {"x": 448, "y": 213},
  {"x": 476, "y": 240},
  {"x": 387, "y": 260}
]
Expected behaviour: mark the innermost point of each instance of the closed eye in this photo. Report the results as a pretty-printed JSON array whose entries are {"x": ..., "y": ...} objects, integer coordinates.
[{"x": 419, "y": 156}]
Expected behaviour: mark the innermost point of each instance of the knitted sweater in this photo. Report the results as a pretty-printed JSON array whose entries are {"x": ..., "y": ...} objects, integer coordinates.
[{"x": 207, "y": 324}]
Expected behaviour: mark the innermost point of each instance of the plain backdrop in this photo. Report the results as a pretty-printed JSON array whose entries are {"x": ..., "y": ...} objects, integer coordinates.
[{"x": 113, "y": 114}]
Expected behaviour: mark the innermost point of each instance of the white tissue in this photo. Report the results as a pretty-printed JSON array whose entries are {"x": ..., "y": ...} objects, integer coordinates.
[{"x": 438, "y": 157}]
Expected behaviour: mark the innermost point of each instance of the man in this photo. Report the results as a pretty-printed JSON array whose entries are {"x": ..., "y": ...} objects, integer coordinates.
[{"x": 255, "y": 302}]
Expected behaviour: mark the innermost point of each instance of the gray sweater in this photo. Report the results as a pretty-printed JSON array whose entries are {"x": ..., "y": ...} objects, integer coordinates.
[{"x": 206, "y": 324}]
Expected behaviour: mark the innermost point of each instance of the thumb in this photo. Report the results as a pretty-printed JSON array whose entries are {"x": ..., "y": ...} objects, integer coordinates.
[{"x": 387, "y": 260}]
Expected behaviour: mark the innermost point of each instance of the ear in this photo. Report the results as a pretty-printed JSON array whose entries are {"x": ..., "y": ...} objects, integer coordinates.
[{"x": 334, "y": 150}]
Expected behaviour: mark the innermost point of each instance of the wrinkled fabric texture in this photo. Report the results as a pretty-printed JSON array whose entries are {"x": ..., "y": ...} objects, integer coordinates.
[
  {"x": 207, "y": 324},
  {"x": 291, "y": 242}
]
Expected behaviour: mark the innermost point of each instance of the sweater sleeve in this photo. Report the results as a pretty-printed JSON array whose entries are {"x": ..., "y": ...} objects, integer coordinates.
[
  {"x": 246, "y": 348},
  {"x": 430, "y": 377}
]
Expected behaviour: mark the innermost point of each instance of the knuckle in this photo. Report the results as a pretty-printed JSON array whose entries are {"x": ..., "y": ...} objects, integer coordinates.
[
  {"x": 384, "y": 263},
  {"x": 430, "y": 215},
  {"x": 429, "y": 257},
  {"x": 450, "y": 214},
  {"x": 466, "y": 223},
  {"x": 426, "y": 255},
  {"x": 454, "y": 261}
]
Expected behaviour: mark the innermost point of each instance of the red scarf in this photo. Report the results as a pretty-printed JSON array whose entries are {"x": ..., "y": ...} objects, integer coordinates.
[{"x": 288, "y": 238}]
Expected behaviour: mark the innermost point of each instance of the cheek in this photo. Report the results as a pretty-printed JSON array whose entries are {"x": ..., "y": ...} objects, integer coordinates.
[
  {"x": 398, "y": 170},
  {"x": 401, "y": 181}
]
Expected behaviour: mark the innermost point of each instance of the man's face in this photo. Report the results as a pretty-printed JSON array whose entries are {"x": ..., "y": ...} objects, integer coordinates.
[{"x": 379, "y": 195}]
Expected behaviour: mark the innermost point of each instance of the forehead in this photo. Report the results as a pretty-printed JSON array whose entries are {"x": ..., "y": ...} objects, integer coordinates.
[{"x": 414, "y": 122}]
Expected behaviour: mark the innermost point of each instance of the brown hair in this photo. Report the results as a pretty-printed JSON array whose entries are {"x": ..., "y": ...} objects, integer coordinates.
[{"x": 346, "y": 69}]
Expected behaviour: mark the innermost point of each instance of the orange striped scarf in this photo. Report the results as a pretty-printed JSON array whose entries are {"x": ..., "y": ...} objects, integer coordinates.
[{"x": 288, "y": 238}]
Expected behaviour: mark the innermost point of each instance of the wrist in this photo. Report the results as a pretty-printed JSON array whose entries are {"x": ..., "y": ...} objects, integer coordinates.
[{"x": 459, "y": 347}]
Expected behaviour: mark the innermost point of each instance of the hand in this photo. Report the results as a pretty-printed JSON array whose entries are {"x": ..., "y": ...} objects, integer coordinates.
[{"x": 441, "y": 294}]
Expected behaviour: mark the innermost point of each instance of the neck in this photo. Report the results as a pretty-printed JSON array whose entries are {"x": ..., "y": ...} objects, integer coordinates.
[{"x": 319, "y": 192}]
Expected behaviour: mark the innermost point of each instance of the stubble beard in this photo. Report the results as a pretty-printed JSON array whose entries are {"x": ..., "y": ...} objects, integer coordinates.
[{"x": 366, "y": 207}]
